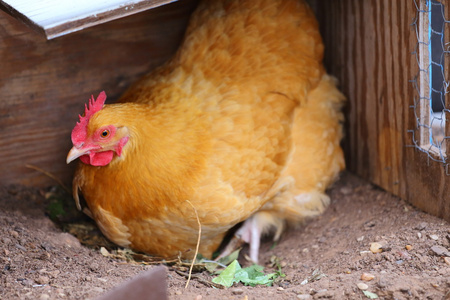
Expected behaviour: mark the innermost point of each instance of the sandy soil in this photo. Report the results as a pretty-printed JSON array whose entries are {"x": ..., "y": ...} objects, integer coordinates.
[{"x": 41, "y": 261}]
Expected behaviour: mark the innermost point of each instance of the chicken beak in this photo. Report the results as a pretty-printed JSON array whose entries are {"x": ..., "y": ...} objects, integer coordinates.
[{"x": 74, "y": 153}]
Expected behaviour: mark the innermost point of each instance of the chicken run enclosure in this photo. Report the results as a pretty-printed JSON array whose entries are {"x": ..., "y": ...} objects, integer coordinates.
[{"x": 391, "y": 59}]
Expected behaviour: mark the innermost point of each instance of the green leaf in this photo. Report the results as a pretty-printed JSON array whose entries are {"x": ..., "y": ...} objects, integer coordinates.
[
  {"x": 212, "y": 266},
  {"x": 227, "y": 277},
  {"x": 370, "y": 295},
  {"x": 254, "y": 270},
  {"x": 230, "y": 258},
  {"x": 253, "y": 276}
]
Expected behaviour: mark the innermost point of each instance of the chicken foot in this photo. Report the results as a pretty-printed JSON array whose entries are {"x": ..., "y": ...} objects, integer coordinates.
[{"x": 251, "y": 232}]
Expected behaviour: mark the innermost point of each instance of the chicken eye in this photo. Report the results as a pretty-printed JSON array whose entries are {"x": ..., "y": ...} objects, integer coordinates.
[{"x": 105, "y": 133}]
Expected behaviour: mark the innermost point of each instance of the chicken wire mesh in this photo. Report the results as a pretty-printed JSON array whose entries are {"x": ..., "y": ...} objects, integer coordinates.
[{"x": 431, "y": 25}]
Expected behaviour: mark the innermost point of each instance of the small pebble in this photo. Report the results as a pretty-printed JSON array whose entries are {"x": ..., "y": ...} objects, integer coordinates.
[
  {"x": 360, "y": 239},
  {"x": 42, "y": 280},
  {"x": 362, "y": 286},
  {"x": 178, "y": 293},
  {"x": 447, "y": 260},
  {"x": 367, "y": 276},
  {"x": 434, "y": 237},
  {"x": 304, "y": 297},
  {"x": 421, "y": 226},
  {"x": 376, "y": 248},
  {"x": 280, "y": 288},
  {"x": 14, "y": 233},
  {"x": 199, "y": 297},
  {"x": 104, "y": 252},
  {"x": 419, "y": 235},
  {"x": 408, "y": 247},
  {"x": 237, "y": 291},
  {"x": 440, "y": 251}
]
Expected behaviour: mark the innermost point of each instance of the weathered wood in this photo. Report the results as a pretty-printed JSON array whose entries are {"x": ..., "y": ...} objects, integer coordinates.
[
  {"x": 55, "y": 18},
  {"x": 368, "y": 47},
  {"x": 44, "y": 84},
  {"x": 150, "y": 285}
]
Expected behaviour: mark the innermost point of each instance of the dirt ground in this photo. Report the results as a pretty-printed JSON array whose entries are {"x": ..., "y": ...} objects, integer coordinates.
[{"x": 40, "y": 261}]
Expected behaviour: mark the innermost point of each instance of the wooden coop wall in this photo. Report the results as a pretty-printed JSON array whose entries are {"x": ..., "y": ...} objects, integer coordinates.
[
  {"x": 44, "y": 84},
  {"x": 369, "y": 47}
]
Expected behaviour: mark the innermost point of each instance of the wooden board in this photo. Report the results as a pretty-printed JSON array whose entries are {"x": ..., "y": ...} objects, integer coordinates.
[
  {"x": 149, "y": 285},
  {"x": 55, "y": 18},
  {"x": 368, "y": 48},
  {"x": 44, "y": 84}
]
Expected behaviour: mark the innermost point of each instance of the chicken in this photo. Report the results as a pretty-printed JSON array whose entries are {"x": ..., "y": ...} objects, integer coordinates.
[{"x": 241, "y": 125}]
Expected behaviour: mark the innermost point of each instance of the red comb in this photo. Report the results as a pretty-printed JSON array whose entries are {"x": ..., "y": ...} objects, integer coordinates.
[{"x": 79, "y": 133}]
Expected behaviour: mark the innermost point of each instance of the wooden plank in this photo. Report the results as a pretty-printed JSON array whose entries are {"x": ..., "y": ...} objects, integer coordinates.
[
  {"x": 150, "y": 285},
  {"x": 55, "y": 18},
  {"x": 44, "y": 84},
  {"x": 424, "y": 75},
  {"x": 368, "y": 48}
]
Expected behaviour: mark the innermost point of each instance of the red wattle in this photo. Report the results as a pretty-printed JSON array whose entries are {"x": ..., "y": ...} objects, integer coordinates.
[{"x": 98, "y": 159}]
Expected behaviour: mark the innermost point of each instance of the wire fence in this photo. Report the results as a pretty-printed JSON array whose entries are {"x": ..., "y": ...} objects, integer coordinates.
[{"x": 432, "y": 28}]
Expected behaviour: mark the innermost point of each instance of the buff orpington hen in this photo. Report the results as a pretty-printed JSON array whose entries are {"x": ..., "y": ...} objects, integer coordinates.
[{"x": 241, "y": 125}]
